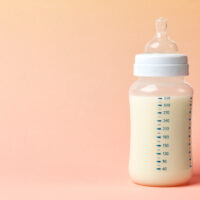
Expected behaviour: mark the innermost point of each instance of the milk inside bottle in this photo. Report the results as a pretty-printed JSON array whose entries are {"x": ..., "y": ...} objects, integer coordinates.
[{"x": 160, "y": 114}]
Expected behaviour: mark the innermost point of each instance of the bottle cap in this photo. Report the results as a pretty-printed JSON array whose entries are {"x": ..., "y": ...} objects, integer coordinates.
[{"x": 161, "y": 58}]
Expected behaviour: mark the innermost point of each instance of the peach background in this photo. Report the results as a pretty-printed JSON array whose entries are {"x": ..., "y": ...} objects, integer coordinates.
[{"x": 66, "y": 67}]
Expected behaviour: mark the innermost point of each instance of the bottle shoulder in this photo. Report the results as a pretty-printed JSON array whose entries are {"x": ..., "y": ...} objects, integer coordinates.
[{"x": 154, "y": 88}]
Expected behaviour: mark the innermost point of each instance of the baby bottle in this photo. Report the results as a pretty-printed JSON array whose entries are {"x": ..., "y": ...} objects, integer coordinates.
[{"x": 160, "y": 112}]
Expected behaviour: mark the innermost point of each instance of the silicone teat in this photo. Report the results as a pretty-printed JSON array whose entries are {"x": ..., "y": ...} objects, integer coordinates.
[{"x": 161, "y": 42}]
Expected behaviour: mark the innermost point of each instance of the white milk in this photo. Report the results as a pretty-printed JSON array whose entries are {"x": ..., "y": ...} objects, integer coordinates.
[{"x": 160, "y": 147}]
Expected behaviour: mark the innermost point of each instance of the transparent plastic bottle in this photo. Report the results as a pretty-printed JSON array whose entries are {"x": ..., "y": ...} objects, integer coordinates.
[{"x": 160, "y": 110}]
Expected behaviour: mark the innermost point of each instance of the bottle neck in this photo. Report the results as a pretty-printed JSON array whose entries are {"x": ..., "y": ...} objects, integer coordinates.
[{"x": 163, "y": 79}]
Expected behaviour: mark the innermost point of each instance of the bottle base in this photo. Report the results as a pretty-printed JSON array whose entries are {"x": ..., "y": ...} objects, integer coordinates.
[
  {"x": 164, "y": 185},
  {"x": 172, "y": 179}
]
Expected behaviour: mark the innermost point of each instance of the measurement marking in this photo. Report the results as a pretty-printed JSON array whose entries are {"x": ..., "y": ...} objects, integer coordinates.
[{"x": 163, "y": 109}]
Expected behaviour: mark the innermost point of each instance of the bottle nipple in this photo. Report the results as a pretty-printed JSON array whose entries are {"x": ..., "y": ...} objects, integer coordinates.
[{"x": 161, "y": 42}]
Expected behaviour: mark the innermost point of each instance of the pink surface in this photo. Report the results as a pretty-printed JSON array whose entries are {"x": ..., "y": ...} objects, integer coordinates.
[
  {"x": 116, "y": 190},
  {"x": 66, "y": 67}
]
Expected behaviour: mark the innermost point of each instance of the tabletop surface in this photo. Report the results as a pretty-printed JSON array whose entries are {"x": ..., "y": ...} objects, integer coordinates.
[{"x": 103, "y": 190}]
